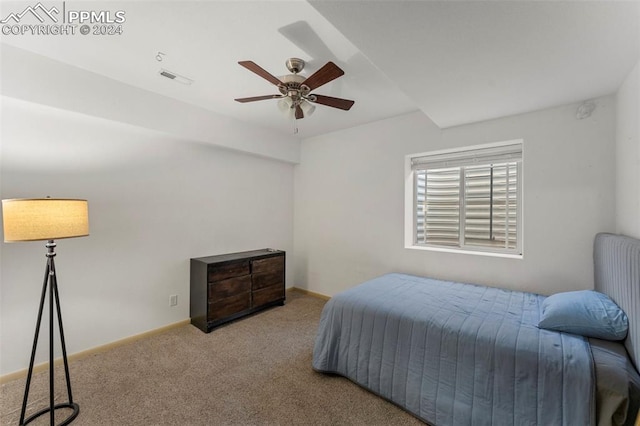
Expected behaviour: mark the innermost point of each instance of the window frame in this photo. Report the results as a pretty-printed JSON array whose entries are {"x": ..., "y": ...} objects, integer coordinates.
[{"x": 411, "y": 211}]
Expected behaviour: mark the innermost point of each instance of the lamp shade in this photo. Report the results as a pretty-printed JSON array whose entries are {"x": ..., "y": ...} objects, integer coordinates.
[{"x": 44, "y": 219}]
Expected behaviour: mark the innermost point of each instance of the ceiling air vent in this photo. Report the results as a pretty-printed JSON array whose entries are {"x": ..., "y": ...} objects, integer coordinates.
[{"x": 175, "y": 77}]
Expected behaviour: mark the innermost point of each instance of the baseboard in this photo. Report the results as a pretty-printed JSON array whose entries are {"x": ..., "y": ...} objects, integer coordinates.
[
  {"x": 310, "y": 293},
  {"x": 92, "y": 351}
]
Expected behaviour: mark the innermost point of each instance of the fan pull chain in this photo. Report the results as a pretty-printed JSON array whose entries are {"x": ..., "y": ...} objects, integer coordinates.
[{"x": 295, "y": 125}]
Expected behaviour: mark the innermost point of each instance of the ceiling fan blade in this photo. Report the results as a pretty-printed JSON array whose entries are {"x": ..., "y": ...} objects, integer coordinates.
[
  {"x": 340, "y": 103},
  {"x": 258, "y": 98},
  {"x": 253, "y": 67},
  {"x": 328, "y": 72},
  {"x": 299, "y": 113}
]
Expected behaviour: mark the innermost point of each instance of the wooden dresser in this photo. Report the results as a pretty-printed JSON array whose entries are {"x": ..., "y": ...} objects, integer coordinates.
[{"x": 230, "y": 286}]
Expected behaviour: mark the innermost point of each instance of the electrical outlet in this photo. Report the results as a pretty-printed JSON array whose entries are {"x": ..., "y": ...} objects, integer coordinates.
[{"x": 173, "y": 300}]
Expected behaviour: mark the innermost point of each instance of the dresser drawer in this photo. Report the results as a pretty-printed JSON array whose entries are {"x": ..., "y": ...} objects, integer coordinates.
[
  {"x": 231, "y": 305},
  {"x": 229, "y": 270},
  {"x": 268, "y": 265},
  {"x": 229, "y": 287},
  {"x": 268, "y": 294},
  {"x": 259, "y": 281}
]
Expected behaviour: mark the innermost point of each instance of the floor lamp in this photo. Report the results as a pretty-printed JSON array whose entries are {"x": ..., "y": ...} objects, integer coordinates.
[{"x": 47, "y": 219}]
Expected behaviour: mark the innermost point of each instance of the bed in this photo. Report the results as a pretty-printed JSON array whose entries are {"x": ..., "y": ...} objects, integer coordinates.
[{"x": 464, "y": 354}]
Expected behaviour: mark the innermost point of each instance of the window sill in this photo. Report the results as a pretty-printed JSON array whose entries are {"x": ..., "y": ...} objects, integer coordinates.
[{"x": 463, "y": 251}]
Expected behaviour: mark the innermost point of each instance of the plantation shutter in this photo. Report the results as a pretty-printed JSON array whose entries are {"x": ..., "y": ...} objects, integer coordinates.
[
  {"x": 468, "y": 198},
  {"x": 438, "y": 206},
  {"x": 491, "y": 206}
]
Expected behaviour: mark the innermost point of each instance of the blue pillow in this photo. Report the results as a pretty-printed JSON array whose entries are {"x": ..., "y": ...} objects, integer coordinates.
[{"x": 587, "y": 312}]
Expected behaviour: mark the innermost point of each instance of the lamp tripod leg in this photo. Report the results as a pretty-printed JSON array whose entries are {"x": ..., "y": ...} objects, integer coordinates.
[
  {"x": 54, "y": 287},
  {"x": 52, "y": 414},
  {"x": 35, "y": 345},
  {"x": 50, "y": 280}
]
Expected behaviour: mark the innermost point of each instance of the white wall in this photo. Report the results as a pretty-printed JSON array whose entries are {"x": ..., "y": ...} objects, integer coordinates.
[
  {"x": 349, "y": 205},
  {"x": 38, "y": 79},
  {"x": 154, "y": 202},
  {"x": 628, "y": 155}
]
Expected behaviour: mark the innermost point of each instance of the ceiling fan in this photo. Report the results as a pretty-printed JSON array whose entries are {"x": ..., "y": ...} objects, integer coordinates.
[{"x": 295, "y": 94}]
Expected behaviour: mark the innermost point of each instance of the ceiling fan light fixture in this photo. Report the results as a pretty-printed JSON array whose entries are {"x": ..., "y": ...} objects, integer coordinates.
[
  {"x": 285, "y": 106},
  {"x": 307, "y": 108}
]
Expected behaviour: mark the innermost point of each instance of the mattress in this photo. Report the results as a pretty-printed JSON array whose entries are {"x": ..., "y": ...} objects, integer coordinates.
[
  {"x": 457, "y": 354},
  {"x": 617, "y": 384}
]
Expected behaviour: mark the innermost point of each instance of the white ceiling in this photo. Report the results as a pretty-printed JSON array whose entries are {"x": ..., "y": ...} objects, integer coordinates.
[
  {"x": 470, "y": 61},
  {"x": 458, "y": 62}
]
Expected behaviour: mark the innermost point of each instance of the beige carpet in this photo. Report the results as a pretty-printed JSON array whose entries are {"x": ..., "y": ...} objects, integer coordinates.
[{"x": 255, "y": 371}]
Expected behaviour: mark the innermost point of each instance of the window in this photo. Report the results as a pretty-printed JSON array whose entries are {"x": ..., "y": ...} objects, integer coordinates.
[{"x": 467, "y": 199}]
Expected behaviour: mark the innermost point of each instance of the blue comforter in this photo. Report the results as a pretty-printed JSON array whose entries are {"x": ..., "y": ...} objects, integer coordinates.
[{"x": 457, "y": 354}]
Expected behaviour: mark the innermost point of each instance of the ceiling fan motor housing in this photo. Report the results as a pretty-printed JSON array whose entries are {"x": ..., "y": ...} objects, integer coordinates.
[{"x": 291, "y": 86}]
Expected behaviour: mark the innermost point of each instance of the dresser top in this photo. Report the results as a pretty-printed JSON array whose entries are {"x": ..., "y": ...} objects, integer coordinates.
[{"x": 238, "y": 256}]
